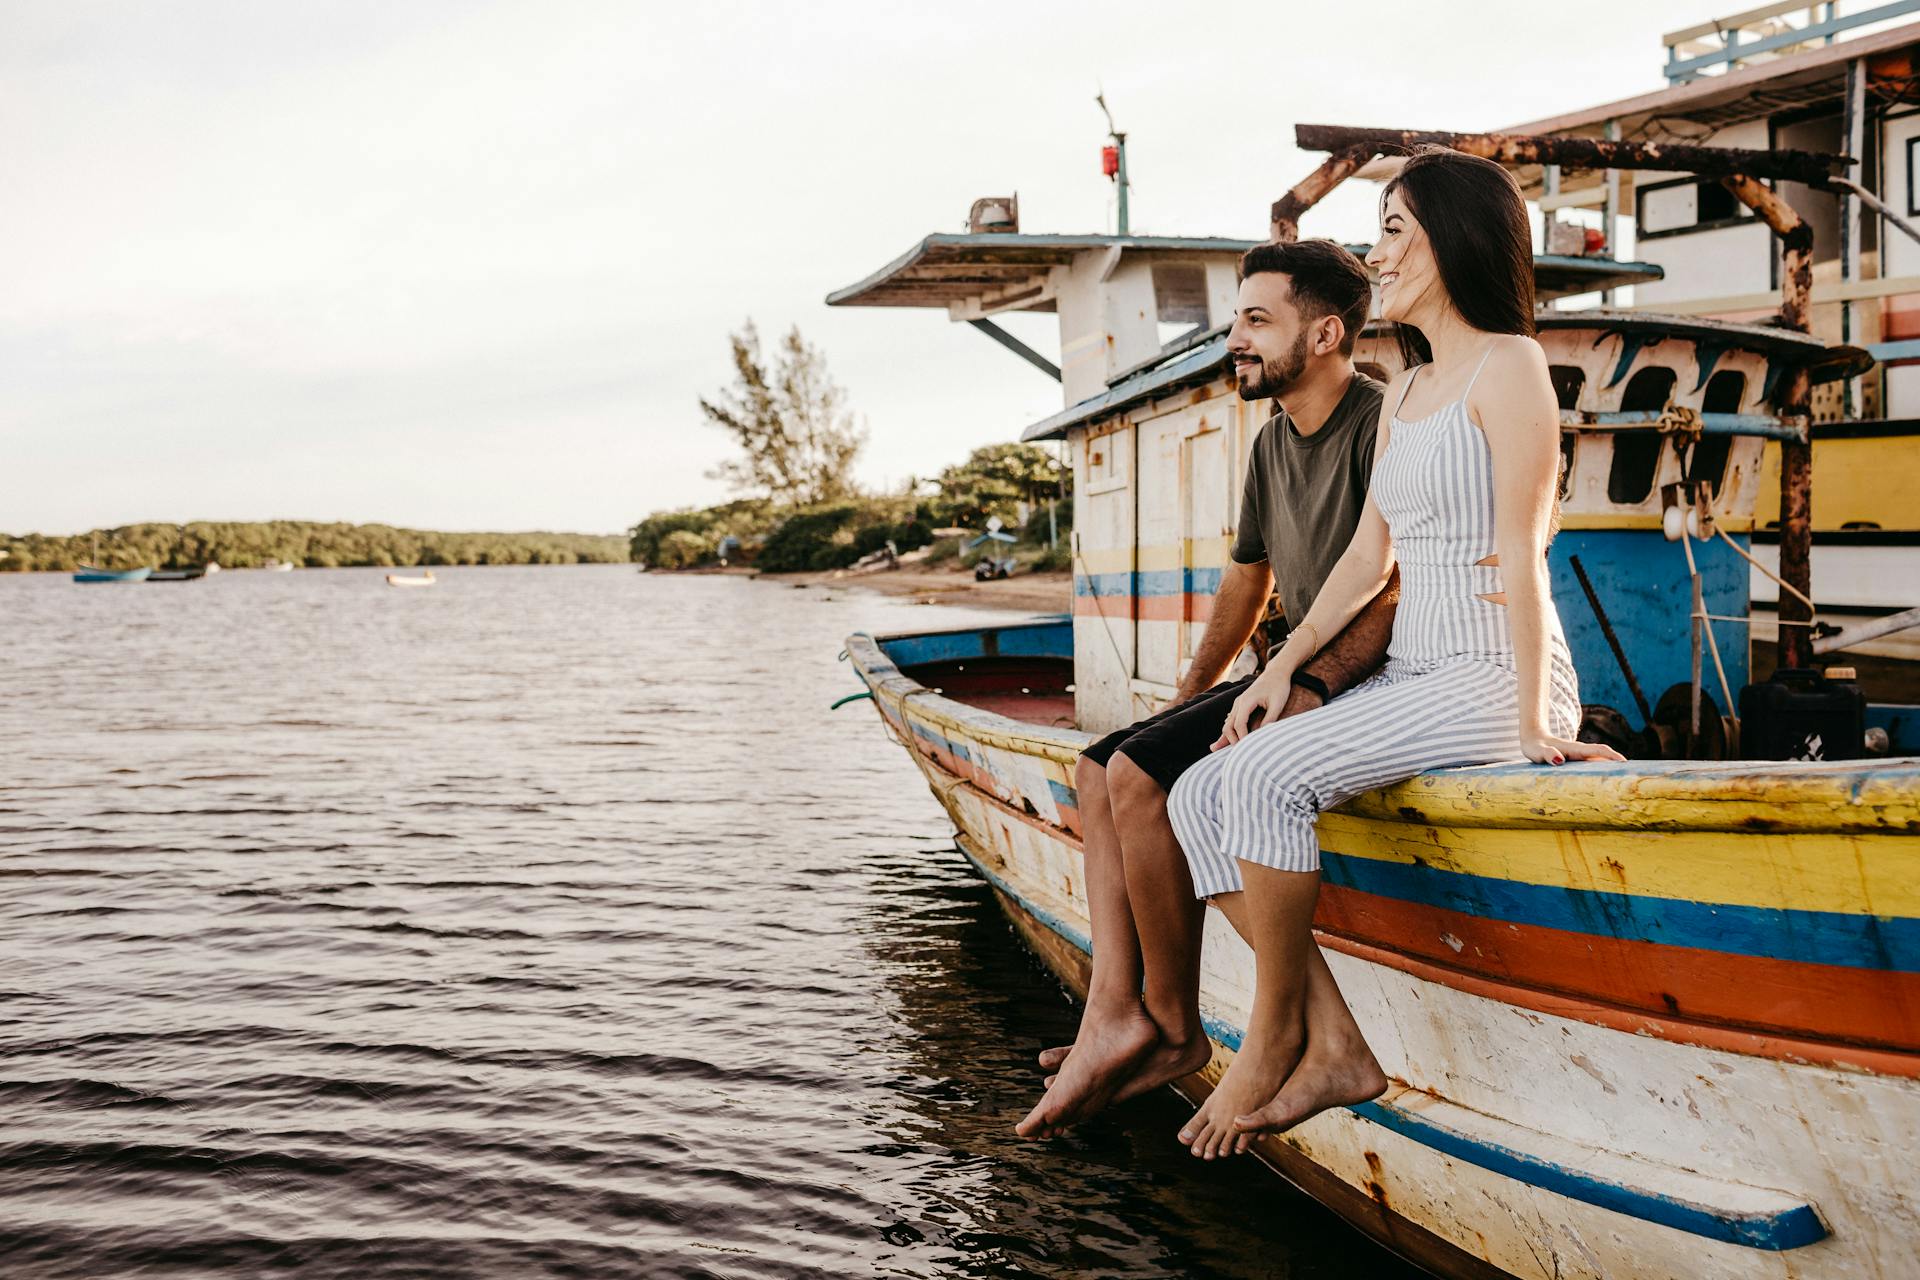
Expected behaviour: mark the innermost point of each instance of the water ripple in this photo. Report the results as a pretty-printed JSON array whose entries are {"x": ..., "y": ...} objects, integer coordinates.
[{"x": 545, "y": 924}]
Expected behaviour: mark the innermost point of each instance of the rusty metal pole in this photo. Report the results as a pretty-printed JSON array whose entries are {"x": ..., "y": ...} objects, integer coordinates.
[
  {"x": 1584, "y": 153},
  {"x": 1795, "y": 402},
  {"x": 1312, "y": 189}
]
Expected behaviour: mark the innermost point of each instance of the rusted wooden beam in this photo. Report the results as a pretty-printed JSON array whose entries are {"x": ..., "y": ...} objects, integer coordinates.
[
  {"x": 1795, "y": 403},
  {"x": 1312, "y": 189},
  {"x": 1796, "y": 246},
  {"x": 1583, "y": 153}
]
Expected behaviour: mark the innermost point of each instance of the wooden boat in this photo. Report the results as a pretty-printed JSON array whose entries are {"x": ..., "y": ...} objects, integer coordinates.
[
  {"x": 1658, "y": 1018},
  {"x": 194, "y": 574},
  {"x": 398, "y": 580},
  {"x": 88, "y": 573}
]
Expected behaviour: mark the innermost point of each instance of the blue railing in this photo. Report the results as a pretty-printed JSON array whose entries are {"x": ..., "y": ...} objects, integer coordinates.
[{"x": 1733, "y": 49}]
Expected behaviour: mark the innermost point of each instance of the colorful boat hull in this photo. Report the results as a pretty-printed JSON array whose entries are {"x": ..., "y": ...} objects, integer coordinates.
[{"x": 1661, "y": 1012}]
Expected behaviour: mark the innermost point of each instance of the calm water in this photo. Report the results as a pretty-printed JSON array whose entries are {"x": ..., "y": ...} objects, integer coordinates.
[{"x": 543, "y": 923}]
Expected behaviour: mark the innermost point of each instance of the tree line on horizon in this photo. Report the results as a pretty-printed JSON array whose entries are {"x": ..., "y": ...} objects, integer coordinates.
[
  {"x": 313, "y": 544},
  {"x": 801, "y": 508}
]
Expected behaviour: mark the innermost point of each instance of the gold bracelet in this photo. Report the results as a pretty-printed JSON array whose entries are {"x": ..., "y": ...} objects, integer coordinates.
[{"x": 1316, "y": 638}]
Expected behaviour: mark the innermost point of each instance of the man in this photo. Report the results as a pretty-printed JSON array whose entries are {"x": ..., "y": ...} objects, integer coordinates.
[{"x": 1301, "y": 307}]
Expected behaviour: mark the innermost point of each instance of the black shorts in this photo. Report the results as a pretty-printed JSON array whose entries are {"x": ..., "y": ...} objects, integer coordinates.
[{"x": 1168, "y": 743}]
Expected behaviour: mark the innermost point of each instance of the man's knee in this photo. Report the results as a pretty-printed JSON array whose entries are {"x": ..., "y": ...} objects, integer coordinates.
[
  {"x": 1089, "y": 781},
  {"x": 1135, "y": 796}
]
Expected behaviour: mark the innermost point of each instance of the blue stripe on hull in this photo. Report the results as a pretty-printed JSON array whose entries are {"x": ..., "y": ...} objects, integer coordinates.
[
  {"x": 1789, "y": 1229},
  {"x": 1156, "y": 582},
  {"x": 1809, "y": 937}
]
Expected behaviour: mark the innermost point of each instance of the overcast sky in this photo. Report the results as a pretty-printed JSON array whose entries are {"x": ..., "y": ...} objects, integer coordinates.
[{"x": 471, "y": 265}]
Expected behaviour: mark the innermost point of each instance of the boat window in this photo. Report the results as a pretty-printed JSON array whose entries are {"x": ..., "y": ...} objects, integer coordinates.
[
  {"x": 1179, "y": 299},
  {"x": 1824, "y": 133},
  {"x": 1708, "y": 461},
  {"x": 1684, "y": 205},
  {"x": 1567, "y": 381},
  {"x": 1636, "y": 452}
]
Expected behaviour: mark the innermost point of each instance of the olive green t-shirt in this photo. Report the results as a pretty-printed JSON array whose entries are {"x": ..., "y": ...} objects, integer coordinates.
[{"x": 1304, "y": 494}]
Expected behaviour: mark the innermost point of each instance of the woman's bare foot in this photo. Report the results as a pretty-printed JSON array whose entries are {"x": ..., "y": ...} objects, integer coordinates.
[
  {"x": 1253, "y": 1077},
  {"x": 1328, "y": 1076},
  {"x": 1104, "y": 1054}
]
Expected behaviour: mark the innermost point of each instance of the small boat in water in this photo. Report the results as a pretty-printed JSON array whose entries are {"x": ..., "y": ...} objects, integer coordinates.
[
  {"x": 278, "y": 566},
  {"x": 193, "y": 574},
  {"x": 89, "y": 573},
  {"x": 401, "y": 580}
]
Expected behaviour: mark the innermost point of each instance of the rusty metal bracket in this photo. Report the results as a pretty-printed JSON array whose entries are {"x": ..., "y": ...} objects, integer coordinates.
[{"x": 1312, "y": 189}]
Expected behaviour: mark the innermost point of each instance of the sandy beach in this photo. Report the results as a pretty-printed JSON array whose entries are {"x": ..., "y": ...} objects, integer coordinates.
[{"x": 1025, "y": 593}]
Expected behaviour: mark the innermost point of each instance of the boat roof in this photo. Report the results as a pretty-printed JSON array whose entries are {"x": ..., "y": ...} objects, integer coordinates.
[
  {"x": 1749, "y": 93},
  {"x": 946, "y": 268},
  {"x": 1204, "y": 363},
  {"x": 1796, "y": 79}
]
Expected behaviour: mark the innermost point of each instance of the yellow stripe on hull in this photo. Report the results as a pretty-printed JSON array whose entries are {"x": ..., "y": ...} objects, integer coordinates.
[{"x": 1876, "y": 875}]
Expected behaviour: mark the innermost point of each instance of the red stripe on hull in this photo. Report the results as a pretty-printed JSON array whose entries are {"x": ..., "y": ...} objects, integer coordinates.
[
  {"x": 1634, "y": 1022},
  {"x": 1824, "y": 1002}
]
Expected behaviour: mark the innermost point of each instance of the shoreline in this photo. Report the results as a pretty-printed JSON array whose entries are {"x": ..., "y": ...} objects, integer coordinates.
[{"x": 1048, "y": 592}]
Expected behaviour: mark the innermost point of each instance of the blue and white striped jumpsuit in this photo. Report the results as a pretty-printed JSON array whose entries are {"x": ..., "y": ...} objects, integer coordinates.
[{"x": 1448, "y": 695}]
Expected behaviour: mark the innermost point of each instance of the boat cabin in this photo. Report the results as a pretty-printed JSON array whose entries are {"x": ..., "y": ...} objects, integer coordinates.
[{"x": 1663, "y": 416}]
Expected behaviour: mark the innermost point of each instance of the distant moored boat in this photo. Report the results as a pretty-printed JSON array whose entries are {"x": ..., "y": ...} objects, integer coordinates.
[
  {"x": 398, "y": 580},
  {"x": 88, "y": 573}
]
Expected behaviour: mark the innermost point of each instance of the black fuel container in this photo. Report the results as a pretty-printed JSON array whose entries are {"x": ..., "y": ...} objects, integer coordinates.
[{"x": 1801, "y": 714}]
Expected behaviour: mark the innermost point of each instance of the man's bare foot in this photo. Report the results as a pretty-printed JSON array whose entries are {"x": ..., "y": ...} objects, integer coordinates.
[
  {"x": 1253, "y": 1078},
  {"x": 1330, "y": 1077},
  {"x": 1168, "y": 1062},
  {"x": 1104, "y": 1054}
]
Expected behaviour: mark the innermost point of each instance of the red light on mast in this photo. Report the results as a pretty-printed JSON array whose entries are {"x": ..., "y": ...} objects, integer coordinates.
[{"x": 1110, "y": 161}]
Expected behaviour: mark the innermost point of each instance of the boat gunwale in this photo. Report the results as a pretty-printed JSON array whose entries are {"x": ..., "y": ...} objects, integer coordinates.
[{"x": 1878, "y": 796}]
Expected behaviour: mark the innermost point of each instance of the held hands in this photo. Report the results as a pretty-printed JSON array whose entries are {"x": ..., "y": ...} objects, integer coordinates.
[
  {"x": 1261, "y": 704},
  {"x": 1543, "y": 748}
]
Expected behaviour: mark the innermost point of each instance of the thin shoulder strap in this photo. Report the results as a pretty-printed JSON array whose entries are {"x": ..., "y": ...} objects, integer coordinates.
[
  {"x": 1476, "y": 372},
  {"x": 1403, "y": 391}
]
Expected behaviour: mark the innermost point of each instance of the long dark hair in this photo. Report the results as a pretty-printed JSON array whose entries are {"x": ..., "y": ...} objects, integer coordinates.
[{"x": 1476, "y": 221}]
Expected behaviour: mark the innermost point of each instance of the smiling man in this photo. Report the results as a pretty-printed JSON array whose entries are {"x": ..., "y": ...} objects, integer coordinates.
[{"x": 1301, "y": 307}]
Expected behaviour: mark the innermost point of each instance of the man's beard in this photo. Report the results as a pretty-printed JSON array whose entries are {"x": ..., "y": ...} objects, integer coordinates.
[{"x": 1276, "y": 376}]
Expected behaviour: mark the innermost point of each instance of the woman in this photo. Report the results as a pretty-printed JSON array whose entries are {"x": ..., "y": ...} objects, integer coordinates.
[{"x": 1463, "y": 493}]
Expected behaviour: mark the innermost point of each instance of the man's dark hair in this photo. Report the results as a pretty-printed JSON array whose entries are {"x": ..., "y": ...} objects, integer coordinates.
[{"x": 1326, "y": 280}]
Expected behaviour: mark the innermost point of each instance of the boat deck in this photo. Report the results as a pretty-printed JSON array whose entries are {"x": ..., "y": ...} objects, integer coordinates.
[{"x": 1030, "y": 688}]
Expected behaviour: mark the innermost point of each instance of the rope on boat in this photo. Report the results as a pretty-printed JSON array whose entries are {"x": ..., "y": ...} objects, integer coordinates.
[
  {"x": 852, "y": 697},
  {"x": 1782, "y": 583},
  {"x": 1701, "y": 621}
]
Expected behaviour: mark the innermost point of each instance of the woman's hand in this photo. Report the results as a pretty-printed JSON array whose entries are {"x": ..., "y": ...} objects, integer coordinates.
[
  {"x": 1544, "y": 748},
  {"x": 1259, "y": 705}
]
